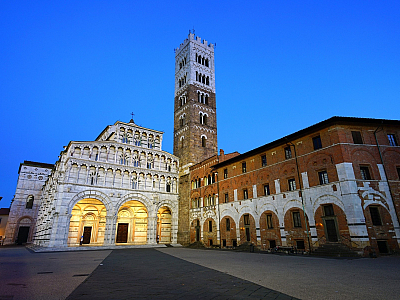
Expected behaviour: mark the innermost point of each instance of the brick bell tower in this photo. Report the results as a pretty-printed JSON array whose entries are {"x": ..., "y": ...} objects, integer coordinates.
[{"x": 195, "y": 116}]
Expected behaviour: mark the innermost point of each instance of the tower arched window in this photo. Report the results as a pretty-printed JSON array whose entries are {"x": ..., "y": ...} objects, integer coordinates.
[
  {"x": 206, "y": 62},
  {"x": 202, "y": 98},
  {"x": 29, "y": 202},
  {"x": 206, "y": 99},
  {"x": 203, "y": 141},
  {"x": 201, "y": 118},
  {"x": 198, "y": 96},
  {"x": 208, "y": 80},
  {"x": 205, "y": 119},
  {"x": 197, "y": 76},
  {"x": 204, "y": 79}
]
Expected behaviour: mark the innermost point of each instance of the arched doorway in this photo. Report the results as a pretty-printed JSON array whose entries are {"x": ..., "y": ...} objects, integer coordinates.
[
  {"x": 88, "y": 223},
  {"x": 24, "y": 231},
  {"x": 247, "y": 227},
  {"x": 164, "y": 220},
  {"x": 269, "y": 230},
  {"x": 195, "y": 231},
  {"x": 132, "y": 224}
]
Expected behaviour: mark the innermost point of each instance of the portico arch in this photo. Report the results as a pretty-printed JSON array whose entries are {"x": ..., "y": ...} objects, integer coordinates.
[
  {"x": 164, "y": 225},
  {"x": 132, "y": 223},
  {"x": 87, "y": 224}
]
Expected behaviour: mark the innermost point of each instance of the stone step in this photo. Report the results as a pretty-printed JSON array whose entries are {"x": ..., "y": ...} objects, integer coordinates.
[{"x": 335, "y": 250}]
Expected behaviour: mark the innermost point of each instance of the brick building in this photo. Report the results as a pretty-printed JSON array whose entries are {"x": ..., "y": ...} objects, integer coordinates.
[{"x": 336, "y": 181}]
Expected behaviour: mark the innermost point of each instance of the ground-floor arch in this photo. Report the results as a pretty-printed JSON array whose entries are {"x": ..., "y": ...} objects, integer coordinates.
[
  {"x": 87, "y": 223},
  {"x": 195, "y": 231},
  {"x": 297, "y": 229},
  {"x": 210, "y": 232},
  {"x": 331, "y": 224},
  {"x": 131, "y": 227},
  {"x": 228, "y": 232},
  {"x": 270, "y": 233},
  {"x": 380, "y": 229},
  {"x": 247, "y": 228}
]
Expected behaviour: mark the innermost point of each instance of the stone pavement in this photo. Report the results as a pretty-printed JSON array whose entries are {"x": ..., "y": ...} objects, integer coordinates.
[
  {"x": 25, "y": 275},
  {"x": 151, "y": 274},
  {"x": 172, "y": 272}
]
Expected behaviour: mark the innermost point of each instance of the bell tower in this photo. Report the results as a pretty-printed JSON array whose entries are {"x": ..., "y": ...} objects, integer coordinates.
[
  {"x": 195, "y": 122},
  {"x": 195, "y": 116}
]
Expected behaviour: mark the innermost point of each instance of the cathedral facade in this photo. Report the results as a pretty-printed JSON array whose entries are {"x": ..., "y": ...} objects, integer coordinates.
[{"x": 120, "y": 189}]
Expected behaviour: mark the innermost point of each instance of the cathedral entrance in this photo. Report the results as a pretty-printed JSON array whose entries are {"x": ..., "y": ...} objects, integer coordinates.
[
  {"x": 122, "y": 233},
  {"x": 87, "y": 233},
  {"x": 164, "y": 220},
  {"x": 88, "y": 220},
  {"x": 132, "y": 223}
]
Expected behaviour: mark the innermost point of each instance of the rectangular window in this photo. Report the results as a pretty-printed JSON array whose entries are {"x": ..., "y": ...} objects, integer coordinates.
[
  {"x": 210, "y": 226},
  {"x": 226, "y": 198},
  {"x": 328, "y": 210},
  {"x": 317, "y": 142},
  {"x": 288, "y": 153},
  {"x": 225, "y": 173},
  {"x": 292, "y": 184},
  {"x": 245, "y": 194},
  {"x": 269, "y": 221},
  {"x": 263, "y": 160},
  {"x": 246, "y": 219},
  {"x": 300, "y": 244},
  {"x": 357, "y": 139},
  {"x": 228, "y": 224},
  {"x": 266, "y": 190},
  {"x": 296, "y": 219},
  {"x": 375, "y": 216},
  {"x": 323, "y": 177},
  {"x": 365, "y": 174},
  {"x": 244, "y": 167},
  {"x": 392, "y": 140}
]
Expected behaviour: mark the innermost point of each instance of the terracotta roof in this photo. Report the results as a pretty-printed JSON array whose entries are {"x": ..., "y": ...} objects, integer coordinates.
[
  {"x": 316, "y": 127},
  {"x": 4, "y": 211}
]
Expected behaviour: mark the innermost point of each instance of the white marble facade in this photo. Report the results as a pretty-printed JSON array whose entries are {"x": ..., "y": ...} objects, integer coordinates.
[
  {"x": 25, "y": 205},
  {"x": 119, "y": 189}
]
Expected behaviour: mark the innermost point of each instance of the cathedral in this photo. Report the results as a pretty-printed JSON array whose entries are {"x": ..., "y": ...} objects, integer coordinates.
[{"x": 331, "y": 187}]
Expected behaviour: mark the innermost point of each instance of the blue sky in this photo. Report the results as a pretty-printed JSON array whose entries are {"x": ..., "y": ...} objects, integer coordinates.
[{"x": 68, "y": 69}]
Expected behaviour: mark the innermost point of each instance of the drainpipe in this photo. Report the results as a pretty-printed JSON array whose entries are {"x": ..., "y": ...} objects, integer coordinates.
[
  {"x": 384, "y": 168},
  {"x": 219, "y": 211},
  {"x": 301, "y": 194}
]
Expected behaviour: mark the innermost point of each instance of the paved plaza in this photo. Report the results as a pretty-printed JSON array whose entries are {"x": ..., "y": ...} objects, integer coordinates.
[{"x": 181, "y": 273}]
